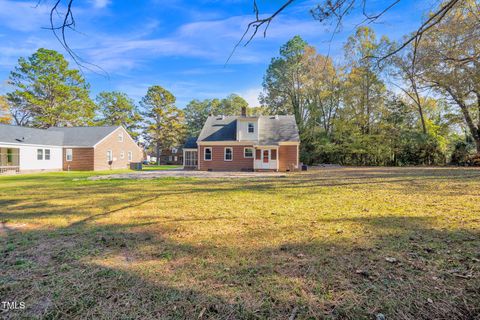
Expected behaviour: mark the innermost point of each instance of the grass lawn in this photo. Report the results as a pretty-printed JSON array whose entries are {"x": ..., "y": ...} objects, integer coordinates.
[
  {"x": 161, "y": 167},
  {"x": 329, "y": 244}
]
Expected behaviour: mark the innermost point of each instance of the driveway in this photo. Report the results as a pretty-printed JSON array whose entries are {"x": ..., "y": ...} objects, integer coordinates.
[{"x": 186, "y": 174}]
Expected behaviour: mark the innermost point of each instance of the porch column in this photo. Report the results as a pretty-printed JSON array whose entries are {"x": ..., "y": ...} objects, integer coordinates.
[{"x": 278, "y": 159}]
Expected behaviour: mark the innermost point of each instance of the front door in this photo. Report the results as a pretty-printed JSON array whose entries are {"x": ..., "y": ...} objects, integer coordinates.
[{"x": 265, "y": 159}]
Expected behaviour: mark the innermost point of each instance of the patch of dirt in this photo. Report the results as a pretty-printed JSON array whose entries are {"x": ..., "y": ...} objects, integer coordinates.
[{"x": 179, "y": 173}]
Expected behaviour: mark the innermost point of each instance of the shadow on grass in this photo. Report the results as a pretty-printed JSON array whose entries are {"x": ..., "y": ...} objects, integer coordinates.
[
  {"x": 143, "y": 269},
  {"x": 137, "y": 270}
]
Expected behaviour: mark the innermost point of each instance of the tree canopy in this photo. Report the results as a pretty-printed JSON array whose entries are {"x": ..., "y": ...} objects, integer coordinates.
[
  {"x": 116, "y": 108},
  {"x": 48, "y": 93},
  {"x": 164, "y": 121}
]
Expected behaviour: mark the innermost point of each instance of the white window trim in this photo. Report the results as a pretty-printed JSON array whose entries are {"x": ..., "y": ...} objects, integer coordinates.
[
  {"x": 45, "y": 154},
  {"x": 253, "y": 152},
  {"x": 67, "y": 153},
  {"x": 41, "y": 156},
  {"x": 248, "y": 127},
  {"x": 205, "y": 154},
  {"x": 130, "y": 156},
  {"x": 122, "y": 155},
  {"x": 225, "y": 154},
  {"x": 120, "y": 137},
  {"x": 109, "y": 158}
]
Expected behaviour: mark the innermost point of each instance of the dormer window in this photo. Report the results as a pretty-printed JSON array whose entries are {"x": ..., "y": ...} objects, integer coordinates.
[{"x": 251, "y": 127}]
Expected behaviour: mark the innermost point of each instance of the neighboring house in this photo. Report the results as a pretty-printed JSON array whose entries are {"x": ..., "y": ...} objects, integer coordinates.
[
  {"x": 25, "y": 149},
  {"x": 247, "y": 143},
  {"x": 171, "y": 156}
]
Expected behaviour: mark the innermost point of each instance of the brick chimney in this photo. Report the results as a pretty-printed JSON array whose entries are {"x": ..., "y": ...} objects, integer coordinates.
[{"x": 244, "y": 111}]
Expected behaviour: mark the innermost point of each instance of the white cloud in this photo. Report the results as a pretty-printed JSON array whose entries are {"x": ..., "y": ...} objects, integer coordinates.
[
  {"x": 23, "y": 16},
  {"x": 100, "y": 4},
  {"x": 251, "y": 96}
]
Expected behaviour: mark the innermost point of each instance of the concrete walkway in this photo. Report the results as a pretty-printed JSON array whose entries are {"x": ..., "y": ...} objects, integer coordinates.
[{"x": 187, "y": 174}]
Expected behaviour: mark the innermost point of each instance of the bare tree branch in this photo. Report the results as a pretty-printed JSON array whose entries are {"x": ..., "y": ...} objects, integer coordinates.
[{"x": 337, "y": 10}]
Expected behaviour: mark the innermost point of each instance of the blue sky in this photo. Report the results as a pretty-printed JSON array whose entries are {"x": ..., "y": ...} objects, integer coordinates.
[{"x": 180, "y": 45}]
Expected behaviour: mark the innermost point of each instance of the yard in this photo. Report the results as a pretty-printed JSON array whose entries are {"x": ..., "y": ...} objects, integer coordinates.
[{"x": 338, "y": 243}]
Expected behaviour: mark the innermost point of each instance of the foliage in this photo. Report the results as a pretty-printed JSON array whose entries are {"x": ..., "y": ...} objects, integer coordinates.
[
  {"x": 5, "y": 116},
  {"x": 116, "y": 109},
  {"x": 47, "y": 93},
  {"x": 448, "y": 59},
  {"x": 347, "y": 115},
  {"x": 197, "y": 112},
  {"x": 165, "y": 127}
]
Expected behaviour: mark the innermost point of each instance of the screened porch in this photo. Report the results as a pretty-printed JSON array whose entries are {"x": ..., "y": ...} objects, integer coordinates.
[{"x": 9, "y": 160}]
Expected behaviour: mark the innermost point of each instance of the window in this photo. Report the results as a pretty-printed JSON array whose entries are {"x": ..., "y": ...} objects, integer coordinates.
[
  {"x": 248, "y": 153},
  {"x": 9, "y": 155},
  {"x": 120, "y": 137},
  {"x": 39, "y": 154},
  {"x": 69, "y": 154},
  {"x": 109, "y": 155},
  {"x": 228, "y": 155},
  {"x": 47, "y": 154},
  {"x": 251, "y": 127},
  {"x": 130, "y": 156},
  {"x": 122, "y": 155},
  {"x": 207, "y": 156}
]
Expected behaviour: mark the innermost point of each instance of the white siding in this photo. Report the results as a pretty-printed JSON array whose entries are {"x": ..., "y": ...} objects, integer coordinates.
[
  {"x": 242, "y": 130},
  {"x": 28, "y": 157}
]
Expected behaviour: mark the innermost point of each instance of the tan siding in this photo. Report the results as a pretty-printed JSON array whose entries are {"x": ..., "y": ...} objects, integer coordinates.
[
  {"x": 288, "y": 157},
  {"x": 82, "y": 159},
  {"x": 218, "y": 164},
  {"x": 112, "y": 143}
]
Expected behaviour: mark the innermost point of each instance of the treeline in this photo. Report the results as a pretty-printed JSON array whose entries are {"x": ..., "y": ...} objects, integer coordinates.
[{"x": 419, "y": 107}]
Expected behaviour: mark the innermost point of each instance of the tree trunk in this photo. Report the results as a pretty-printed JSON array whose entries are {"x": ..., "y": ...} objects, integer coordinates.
[
  {"x": 475, "y": 131},
  {"x": 419, "y": 105},
  {"x": 158, "y": 154}
]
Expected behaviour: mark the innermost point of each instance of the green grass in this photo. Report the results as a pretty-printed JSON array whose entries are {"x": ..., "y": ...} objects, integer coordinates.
[
  {"x": 316, "y": 242},
  {"x": 160, "y": 167}
]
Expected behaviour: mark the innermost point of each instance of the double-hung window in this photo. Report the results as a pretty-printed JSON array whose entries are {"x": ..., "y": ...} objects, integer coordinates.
[
  {"x": 39, "y": 154},
  {"x": 248, "y": 153},
  {"x": 228, "y": 155},
  {"x": 47, "y": 154},
  {"x": 251, "y": 127},
  {"x": 207, "y": 154},
  {"x": 69, "y": 154},
  {"x": 130, "y": 156},
  {"x": 109, "y": 155}
]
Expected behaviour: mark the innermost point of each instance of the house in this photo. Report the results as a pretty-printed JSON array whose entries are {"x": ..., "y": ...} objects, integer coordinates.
[
  {"x": 168, "y": 156},
  {"x": 24, "y": 149},
  {"x": 245, "y": 143}
]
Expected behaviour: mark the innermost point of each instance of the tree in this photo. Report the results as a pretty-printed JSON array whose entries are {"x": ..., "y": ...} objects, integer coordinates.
[
  {"x": 47, "y": 93},
  {"x": 231, "y": 105},
  {"x": 406, "y": 70},
  {"x": 364, "y": 90},
  {"x": 116, "y": 109},
  {"x": 197, "y": 112},
  {"x": 282, "y": 83},
  {"x": 5, "y": 116},
  {"x": 448, "y": 59},
  {"x": 164, "y": 122}
]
